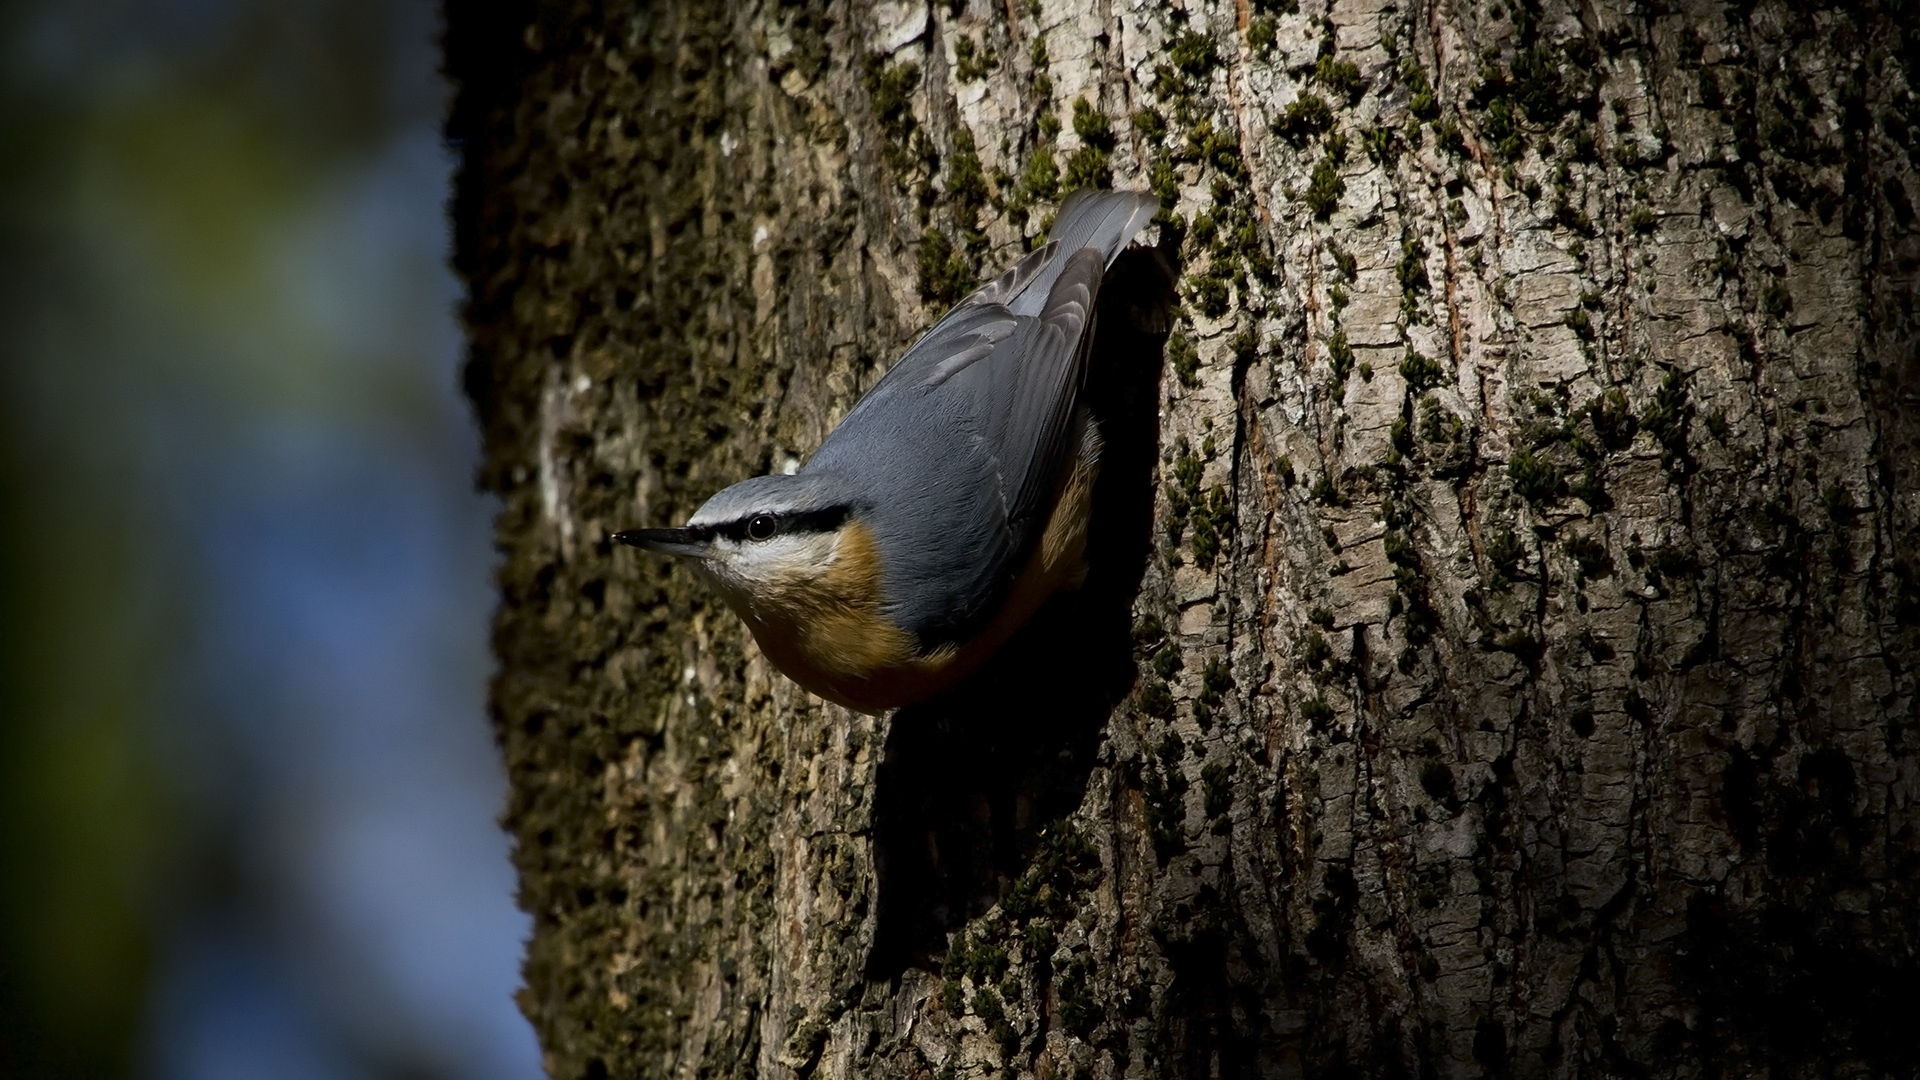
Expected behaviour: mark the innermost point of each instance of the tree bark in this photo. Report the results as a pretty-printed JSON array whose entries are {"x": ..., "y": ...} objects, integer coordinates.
[{"x": 1501, "y": 652}]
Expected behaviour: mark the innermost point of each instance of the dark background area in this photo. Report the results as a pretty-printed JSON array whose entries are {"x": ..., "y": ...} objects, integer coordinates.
[{"x": 247, "y": 794}]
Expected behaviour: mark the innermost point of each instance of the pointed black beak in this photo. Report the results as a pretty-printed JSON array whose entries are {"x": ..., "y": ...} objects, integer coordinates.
[{"x": 688, "y": 543}]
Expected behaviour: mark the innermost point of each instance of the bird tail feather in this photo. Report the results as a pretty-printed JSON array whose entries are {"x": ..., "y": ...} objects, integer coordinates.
[
  {"x": 1105, "y": 220},
  {"x": 1102, "y": 220}
]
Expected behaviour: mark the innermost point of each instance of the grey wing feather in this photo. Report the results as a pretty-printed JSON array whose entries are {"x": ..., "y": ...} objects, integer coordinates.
[
  {"x": 969, "y": 333},
  {"x": 1040, "y": 403},
  {"x": 1003, "y": 289},
  {"x": 1102, "y": 220},
  {"x": 1020, "y": 406},
  {"x": 989, "y": 395}
]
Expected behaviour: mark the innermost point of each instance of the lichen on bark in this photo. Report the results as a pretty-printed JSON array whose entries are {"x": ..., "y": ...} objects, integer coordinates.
[{"x": 1503, "y": 659}]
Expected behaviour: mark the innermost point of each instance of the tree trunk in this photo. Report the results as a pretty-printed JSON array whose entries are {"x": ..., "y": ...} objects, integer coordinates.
[{"x": 1501, "y": 652}]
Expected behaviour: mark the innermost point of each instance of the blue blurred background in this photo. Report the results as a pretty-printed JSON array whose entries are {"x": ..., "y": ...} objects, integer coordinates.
[{"x": 247, "y": 789}]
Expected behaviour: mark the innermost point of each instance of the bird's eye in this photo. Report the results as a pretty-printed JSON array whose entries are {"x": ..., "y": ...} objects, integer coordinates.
[{"x": 760, "y": 527}]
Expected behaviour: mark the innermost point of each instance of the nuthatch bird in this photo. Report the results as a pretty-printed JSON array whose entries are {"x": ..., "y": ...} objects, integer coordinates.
[{"x": 947, "y": 506}]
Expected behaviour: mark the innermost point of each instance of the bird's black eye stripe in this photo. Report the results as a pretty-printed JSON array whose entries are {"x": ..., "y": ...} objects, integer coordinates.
[
  {"x": 816, "y": 520},
  {"x": 765, "y": 526}
]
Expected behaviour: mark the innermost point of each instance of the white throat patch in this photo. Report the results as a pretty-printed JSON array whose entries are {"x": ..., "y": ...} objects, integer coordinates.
[{"x": 755, "y": 568}]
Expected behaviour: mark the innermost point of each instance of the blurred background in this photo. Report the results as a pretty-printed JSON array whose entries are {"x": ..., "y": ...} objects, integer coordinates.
[{"x": 247, "y": 788}]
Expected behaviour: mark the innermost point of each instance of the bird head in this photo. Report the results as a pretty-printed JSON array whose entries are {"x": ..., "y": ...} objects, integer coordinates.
[{"x": 760, "y": 540}]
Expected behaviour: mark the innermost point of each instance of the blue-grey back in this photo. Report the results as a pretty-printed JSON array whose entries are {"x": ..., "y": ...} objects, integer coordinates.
[
  {"x": 960, "y": 446},
  {"x": 927, "y": 493}
]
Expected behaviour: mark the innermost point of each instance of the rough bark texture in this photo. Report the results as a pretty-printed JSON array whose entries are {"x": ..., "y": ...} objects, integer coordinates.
[{"x": 1501, "y": 657}]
